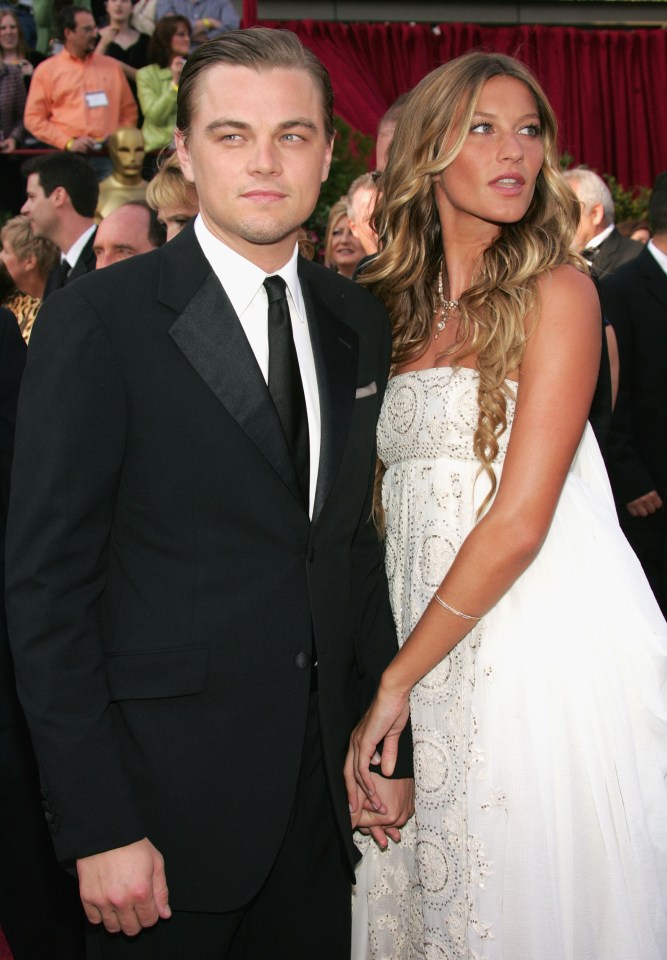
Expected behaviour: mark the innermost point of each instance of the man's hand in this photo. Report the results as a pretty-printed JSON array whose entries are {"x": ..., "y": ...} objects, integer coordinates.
[
  {"x": 126, "y": 888},
  {"x": 646, "y": 505},
  {"x": 398, "y": 798},
  {"x": 8, "y": 145},
  {"x": 82, "y": 144}
]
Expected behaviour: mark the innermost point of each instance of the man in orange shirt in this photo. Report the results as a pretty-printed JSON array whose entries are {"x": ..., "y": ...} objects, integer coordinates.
[{"x": 78, "y": 98}]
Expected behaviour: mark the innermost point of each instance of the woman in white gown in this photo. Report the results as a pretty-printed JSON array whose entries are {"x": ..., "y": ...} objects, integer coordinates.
[{"x": 533, "y": 657}]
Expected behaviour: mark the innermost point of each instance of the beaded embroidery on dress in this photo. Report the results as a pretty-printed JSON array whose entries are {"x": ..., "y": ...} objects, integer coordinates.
[{"x": 541, "y": 740}]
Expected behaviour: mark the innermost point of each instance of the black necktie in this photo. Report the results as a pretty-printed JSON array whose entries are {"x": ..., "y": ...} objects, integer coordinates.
[
  {"x": 590, "y": 253},
  {"x": 65, "y": 270},
  {"x": 285, "y": 384}
]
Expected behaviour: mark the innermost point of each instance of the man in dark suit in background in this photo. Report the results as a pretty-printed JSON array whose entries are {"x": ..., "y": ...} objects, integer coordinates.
[
  {"x": 40, "y": 912},
  {"x": 598, "y": 240},
  {"x": 634, "y": 301},
  {"x": 197, "y": 602},
  {"x": 62, "y": 194}
]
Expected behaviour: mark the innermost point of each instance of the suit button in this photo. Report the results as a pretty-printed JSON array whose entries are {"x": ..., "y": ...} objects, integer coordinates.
[
  {"x": 48, "y": 817},
  {"x": 302, "y": 660}
]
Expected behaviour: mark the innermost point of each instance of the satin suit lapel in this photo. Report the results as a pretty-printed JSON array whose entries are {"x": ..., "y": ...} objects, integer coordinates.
[
  {"x": 336, "y": 351},
  {"x": 211, "y": 338}
]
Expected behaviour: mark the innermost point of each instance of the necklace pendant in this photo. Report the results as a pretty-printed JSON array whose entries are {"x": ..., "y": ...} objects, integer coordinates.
[{"x": 444, "y": 307}]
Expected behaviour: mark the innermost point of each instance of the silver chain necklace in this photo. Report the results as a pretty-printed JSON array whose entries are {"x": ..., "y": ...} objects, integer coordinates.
[{"x": 444, "y": 307}]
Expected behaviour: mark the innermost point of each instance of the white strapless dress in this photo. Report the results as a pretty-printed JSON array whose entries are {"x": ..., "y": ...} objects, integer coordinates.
[{"x": 541, "y": 740}]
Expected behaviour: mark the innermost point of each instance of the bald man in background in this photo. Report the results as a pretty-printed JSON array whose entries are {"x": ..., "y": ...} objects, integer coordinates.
[{"x": 131, "y": 229}]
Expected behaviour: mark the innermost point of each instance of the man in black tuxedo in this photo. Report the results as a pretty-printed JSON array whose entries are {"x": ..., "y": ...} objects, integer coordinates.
[
  {"x": 197, "y": 603},
  {"x": 598, "y": 240},
  {"x": 62, "y": 194},
  {"x": 38, "y": 901},
  {"x": 634, "y": 300}
]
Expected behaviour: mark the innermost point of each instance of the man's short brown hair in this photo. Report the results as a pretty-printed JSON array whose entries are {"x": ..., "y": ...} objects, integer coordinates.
[{"x": 259, "y": 48}]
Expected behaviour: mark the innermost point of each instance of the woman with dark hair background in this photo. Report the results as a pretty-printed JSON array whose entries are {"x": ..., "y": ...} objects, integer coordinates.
[
  {"x": 157, "y": 84},
  {"x": 119, "y": 39}
]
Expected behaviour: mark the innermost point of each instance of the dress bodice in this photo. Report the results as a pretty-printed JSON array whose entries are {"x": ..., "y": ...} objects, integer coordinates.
[{"x": 431, "y": 414}]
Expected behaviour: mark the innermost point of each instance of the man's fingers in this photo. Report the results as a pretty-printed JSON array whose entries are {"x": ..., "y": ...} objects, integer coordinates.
[
  {"x": 161, "y": 891},
  {"x": 125, "y": 920}
]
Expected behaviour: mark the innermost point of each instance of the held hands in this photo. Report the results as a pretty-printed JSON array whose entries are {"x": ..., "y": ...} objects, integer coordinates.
[
  {"x": 384, "y": 721},
  {"x": 398, "y": 797},
  {"x": 646, "y": 505},
  {"x": 126, "y": 888}
]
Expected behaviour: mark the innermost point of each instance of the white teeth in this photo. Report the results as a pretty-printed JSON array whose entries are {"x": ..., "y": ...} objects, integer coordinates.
[{"x": 507, "y": 180}]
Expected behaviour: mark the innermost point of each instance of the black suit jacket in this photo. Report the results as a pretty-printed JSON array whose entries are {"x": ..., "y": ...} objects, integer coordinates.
[
  {"x": 613, "y": 252},
  {"x": 634, "y": 300},
  {"x": 166, "y": 583},
  {"x": 86, "y": 262},
  {"x": 12, "y": 362}
]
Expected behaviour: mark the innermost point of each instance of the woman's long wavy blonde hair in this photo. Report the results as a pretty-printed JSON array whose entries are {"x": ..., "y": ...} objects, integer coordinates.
[{"x": 430, "y": 133}]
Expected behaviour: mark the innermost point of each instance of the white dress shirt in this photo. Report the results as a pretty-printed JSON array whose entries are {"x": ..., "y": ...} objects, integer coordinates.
[
  {"x": 243, "y": 282},
  {"x": 658, "y": 255},
  {"x": 75, "y": 250},
  {"x": 599, "y": 238}
]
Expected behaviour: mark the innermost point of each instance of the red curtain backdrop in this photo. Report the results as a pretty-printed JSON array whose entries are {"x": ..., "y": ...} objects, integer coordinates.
[{"x": 607, "y": 87}]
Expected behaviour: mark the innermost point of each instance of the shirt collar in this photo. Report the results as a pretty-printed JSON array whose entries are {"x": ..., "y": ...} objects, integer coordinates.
[
  {"x": 74, "y": 252},
  {"x": 241, "y": 278},
  {"x": 600, "y": 238},
  {"x": 658, "y": 255},
  {"x": 65, "y": 53}
]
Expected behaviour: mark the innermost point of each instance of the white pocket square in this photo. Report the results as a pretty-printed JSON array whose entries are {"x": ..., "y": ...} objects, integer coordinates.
[{"x": 366, "y": 391}]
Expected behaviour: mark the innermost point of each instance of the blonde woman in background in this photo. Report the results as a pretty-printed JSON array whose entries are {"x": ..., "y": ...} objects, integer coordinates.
[
  {"x": 173, "y": 198},
  {"x": 28, "y": 260},
  {"x": 342, "y": 250},
  {"x": 533, "y": 656}
]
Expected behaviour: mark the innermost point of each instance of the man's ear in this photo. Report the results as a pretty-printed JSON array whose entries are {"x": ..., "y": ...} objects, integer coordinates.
[
  {"x": 597, "y": 213},
  {"x": 326, "y": 166},
  {"x": 353, "y": 228},
  {"x": 59, "y": 196},
  {"x": 183, "y": 155}
]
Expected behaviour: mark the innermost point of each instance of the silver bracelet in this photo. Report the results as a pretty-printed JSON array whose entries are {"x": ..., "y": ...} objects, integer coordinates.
[{"x": 457, "y": 613}]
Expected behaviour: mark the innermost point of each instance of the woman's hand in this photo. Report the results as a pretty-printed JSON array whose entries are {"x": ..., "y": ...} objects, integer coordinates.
[
  {"x": 384, "y": 721},
  {"x": 106, "y": 35},
  {"x": 176, "y": 67}
]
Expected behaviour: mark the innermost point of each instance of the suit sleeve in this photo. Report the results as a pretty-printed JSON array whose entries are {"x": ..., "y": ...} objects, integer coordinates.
[
  {"x": 376, "y": 633},
  {"x": 629, "y": 473},
  {"x": 69, "y": 448}
]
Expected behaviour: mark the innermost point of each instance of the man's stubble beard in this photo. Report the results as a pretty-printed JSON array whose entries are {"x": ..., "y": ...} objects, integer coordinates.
[{"x": 263, "y": 233}]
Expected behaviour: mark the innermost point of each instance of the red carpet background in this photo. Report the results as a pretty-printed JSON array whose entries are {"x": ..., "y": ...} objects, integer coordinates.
[{"x": 5, "y": 952}]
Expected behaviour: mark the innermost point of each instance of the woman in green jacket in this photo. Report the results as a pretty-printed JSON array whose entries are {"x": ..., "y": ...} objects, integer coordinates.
[{"x": 157, "y": 84}]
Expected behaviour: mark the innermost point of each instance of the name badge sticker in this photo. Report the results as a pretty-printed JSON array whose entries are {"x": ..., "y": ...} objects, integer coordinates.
[{"x": 97, "y": 98}]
